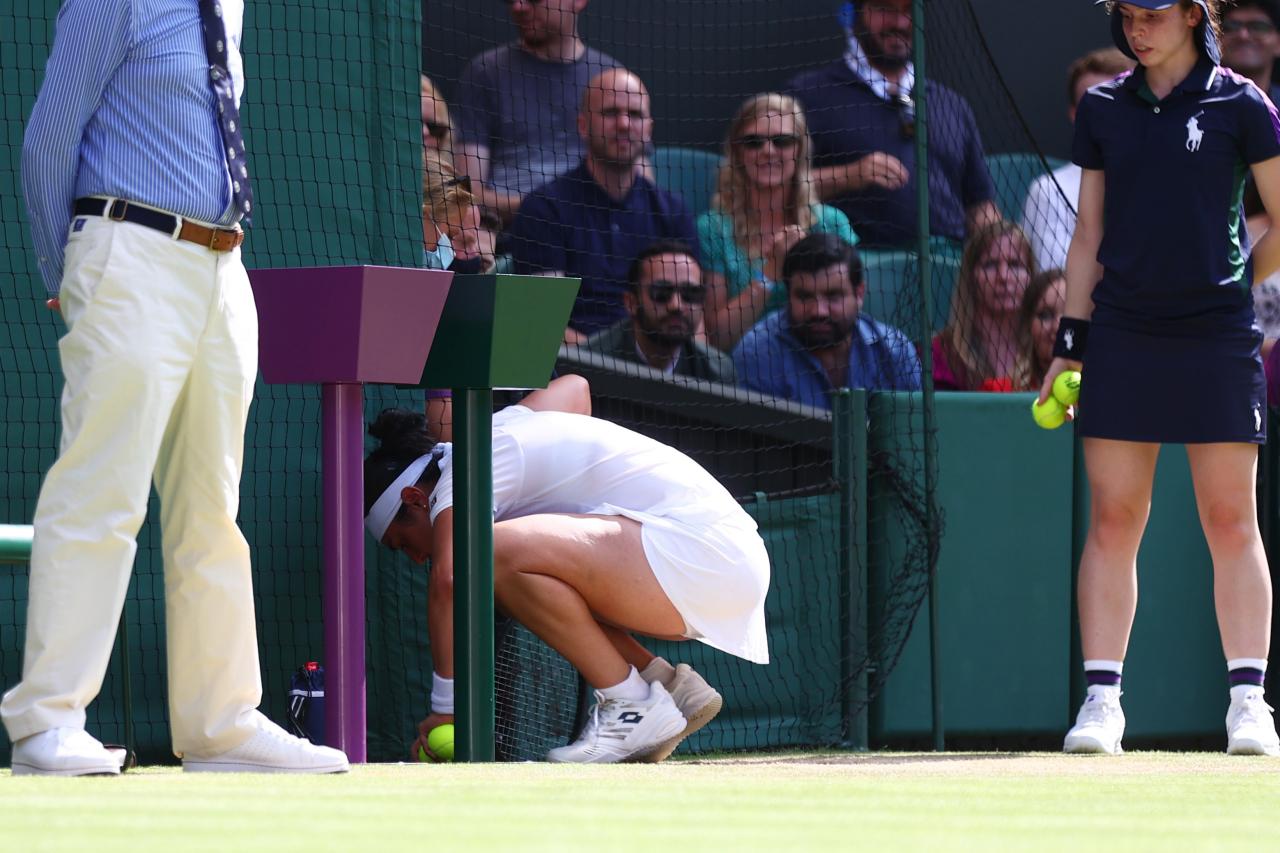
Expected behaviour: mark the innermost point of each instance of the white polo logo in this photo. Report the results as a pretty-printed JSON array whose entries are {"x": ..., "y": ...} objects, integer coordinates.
[
  {"x": 1257, "y": 418},
  {"x": 1194, "y": 134}
]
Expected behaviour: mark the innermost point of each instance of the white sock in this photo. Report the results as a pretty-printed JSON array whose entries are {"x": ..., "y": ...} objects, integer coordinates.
[
  {"x": 1116, "y": 666},
  {"x": 631, "y": 687},
  {"x": 1239, "y": 691}
]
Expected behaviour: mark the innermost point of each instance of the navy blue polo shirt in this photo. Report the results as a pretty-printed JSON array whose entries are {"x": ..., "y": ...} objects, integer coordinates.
[
  {"x": 848, "y": 121},
  {"x": 1175, "y": 253},
  {"x": 571, "y": 224}
]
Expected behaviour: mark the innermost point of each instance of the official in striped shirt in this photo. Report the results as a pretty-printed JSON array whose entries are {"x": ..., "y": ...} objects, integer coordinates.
[{"x": 135, "y": 177}]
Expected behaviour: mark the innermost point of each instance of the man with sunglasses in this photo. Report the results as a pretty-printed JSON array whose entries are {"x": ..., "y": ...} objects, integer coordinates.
[
  {"x": 821, "y": 341},
  {"x": 664, "y": 308},
  {"x": 515, "y": 104},
  {"x": 1251, "y": 42},
  {"x": 861, "y": 114}
]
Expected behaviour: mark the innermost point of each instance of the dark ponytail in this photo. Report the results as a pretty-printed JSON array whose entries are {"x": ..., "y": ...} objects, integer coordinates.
[{"x": 402, "y": 437}]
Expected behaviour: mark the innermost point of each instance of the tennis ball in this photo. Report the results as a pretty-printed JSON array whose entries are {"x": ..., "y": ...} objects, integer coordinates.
[
  {"x": 1050, "y": 415},
  {"x": 1066, "y": 388},
  {"x": 440, "y": 739}
]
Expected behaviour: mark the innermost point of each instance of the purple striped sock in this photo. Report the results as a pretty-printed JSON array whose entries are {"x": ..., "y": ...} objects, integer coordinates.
[
  {"x": 1101, "y": 678},
  {"x": 1245, "y": 675}
]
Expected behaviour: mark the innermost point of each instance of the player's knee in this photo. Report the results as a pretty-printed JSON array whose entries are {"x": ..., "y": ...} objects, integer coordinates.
[
  {"x": 1117, "y": 523},
  {"x": 1229, "y": 527}
]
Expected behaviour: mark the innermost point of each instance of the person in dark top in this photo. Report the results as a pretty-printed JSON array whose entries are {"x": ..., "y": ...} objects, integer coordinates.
[
  {"x": 861, "y": 114},
  {"x": 664, "y": 306},
  {"x": 1159, "y": 313},
  {"x": 594, "y": 221}
]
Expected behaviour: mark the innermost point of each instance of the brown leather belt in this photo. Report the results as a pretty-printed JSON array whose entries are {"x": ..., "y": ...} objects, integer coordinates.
[{"x": 215, "y": 239}]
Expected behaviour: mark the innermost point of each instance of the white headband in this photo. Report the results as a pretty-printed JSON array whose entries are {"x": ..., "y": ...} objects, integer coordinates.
[{"x": 384, "y": 509}]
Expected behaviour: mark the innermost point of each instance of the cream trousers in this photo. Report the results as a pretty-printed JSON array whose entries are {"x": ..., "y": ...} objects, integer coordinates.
[{"x": 160, "y": 360}]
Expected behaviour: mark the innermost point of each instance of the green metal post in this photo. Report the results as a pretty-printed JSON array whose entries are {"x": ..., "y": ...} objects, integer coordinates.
[
  {"x": 926, "y": 358},
  {"x": 849, "y": 449},
  {"x": 473, "y": 573}
]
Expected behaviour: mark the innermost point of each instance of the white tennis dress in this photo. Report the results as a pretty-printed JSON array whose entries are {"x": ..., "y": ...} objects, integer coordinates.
[{"x": 703, "y": 547}]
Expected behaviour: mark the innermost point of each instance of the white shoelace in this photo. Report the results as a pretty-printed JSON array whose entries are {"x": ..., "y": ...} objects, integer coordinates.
[{"x": 1254, "y": 711}]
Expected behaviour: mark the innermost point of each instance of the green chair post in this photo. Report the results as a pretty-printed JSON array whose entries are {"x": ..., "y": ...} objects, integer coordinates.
[{"x": 497, "y": 331}]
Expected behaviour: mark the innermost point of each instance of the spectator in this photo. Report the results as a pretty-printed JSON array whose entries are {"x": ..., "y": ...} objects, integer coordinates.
[
  {"x": 1038, "y": 316},
  {"x": 437, "y": 127},
  {"x": 447, "y": 204},
  {"x": 515, "y": 104},
  {"x": 1251, "y": 43},
  {"x": 861, "y": 113},
  {"x": 593, "y": 222},
  {"x": 764, "y": 205},
  {"x": 1049, "y": 213},
  {"x": 474, "y": 239},
  {"x": 821, "y": 342},
  {"x": 977, "y": 349},
  {"x": 664, "y": 307}
]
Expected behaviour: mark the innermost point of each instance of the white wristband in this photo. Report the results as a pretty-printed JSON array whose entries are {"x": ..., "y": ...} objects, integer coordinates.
[{"x": 441, "y": 695}]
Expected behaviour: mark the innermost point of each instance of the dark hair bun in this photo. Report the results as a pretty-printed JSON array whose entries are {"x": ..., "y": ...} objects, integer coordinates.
[{"x": 397, "y": 428}]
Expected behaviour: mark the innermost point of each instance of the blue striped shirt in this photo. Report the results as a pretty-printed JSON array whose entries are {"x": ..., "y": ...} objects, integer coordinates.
[{"x": 126, "y": 110}]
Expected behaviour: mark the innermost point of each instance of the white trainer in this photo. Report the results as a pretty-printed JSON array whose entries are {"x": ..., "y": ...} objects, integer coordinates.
[
  {"x": 697, "y": 700},
  {"x": 621, "y": 730},
  {"x": 1099, "y": 725},
  {"x": 271, "y": 750},
  {"x": 1250, "y": 728},
  {"x": 63, "y": 752}
]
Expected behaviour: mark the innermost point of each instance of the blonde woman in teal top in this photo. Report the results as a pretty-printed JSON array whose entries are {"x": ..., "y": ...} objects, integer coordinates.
[{"x": 764, "y": 204}]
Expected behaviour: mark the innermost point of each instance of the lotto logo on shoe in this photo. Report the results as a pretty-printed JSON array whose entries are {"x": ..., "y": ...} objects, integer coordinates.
[{"x": 630, "y": 717}]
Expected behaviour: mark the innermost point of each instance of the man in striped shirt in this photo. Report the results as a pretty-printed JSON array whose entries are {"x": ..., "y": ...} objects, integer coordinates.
[{"x": 135, "y": 177}]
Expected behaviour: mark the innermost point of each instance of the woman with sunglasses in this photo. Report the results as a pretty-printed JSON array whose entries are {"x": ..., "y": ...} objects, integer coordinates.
[
  {"x": 764, "y": 204},
  {"x": 1160, "y": 314},
  {"x": 598, "y": 533}
]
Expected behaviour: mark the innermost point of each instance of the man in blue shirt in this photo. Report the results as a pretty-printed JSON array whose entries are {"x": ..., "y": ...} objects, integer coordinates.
[
  {"x": 861, "y": 114},
  {"x": 593, "y": 222},
  {"x": 820, "y": 341},
  {"x": 135, "y": 176}
]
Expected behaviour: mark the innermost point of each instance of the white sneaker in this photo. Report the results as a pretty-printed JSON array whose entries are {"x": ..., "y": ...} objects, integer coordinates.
[
  {"x": 624, "y": 730},
  {"x": 63, "y": 752},
  {"x": 1099, "y": 725},
  {"x": 698, "y": 702},
  {"x": 1250, "y": 729},
  {"x": 271, "y": 750}
]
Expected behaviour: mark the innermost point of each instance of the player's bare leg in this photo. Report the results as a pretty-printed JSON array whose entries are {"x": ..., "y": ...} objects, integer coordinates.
[
  {"x": 554, "y": 574},
  {"x": 1225, "y": 476}
]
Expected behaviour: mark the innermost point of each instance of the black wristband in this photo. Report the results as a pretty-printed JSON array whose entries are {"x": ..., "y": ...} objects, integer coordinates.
[{"x": 1073, "y": 335}]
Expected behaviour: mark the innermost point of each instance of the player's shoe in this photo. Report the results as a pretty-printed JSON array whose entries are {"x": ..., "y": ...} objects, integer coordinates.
[
  {"x": 1250, "y": 728},
  {"x": 63, "y": 752},
  {"x": 1099, "y": 725},
  {"x": 271, "y": 750},
  {"x": 621, "y": 730},
  {"x": 697, "y": 700}
]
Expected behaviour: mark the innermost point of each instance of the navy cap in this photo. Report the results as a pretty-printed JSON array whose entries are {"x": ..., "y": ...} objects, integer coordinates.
[{"x": 1208, "y": 42}]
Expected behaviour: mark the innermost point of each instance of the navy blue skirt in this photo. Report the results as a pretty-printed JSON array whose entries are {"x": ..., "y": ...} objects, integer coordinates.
[{"x": 1173, "y": 390}]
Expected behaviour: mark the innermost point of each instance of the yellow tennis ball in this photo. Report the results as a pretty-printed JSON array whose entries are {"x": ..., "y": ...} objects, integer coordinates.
[
  {"x": 1066, "y": 388},
  {"x": 1050, "y": 415},
  {"x": 440, "y": 739}
]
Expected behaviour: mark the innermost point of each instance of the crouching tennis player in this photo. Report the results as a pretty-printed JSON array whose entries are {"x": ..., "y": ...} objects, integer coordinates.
[{"x": 598, "y": 532}]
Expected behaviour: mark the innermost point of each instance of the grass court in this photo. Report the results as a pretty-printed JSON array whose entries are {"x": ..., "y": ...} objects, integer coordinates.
[{"x": 793, "y": 801}]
